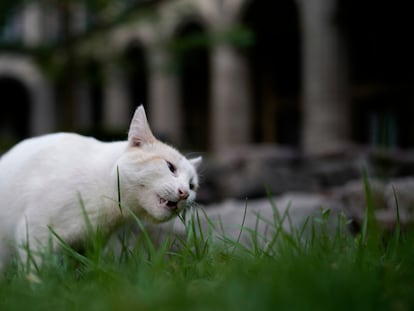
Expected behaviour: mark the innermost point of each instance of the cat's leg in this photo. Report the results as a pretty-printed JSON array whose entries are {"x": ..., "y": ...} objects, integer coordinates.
[
  {"x": 31, "y": 240},
  {"x": 5, "y": 253}
]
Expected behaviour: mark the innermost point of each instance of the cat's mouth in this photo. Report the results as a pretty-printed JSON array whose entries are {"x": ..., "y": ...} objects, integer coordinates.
[{"x": 172, "y": 205}]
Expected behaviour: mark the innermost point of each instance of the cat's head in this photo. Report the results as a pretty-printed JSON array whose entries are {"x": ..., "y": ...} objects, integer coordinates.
[{"x": 156, "y": 180}]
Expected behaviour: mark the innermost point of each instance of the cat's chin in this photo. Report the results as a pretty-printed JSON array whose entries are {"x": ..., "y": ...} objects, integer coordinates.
[
  {"x": 163, "y": 211},
  {"x": 162, "y": 216}
]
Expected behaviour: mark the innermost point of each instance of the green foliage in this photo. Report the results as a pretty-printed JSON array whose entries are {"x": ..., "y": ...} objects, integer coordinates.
[
  {"x": 195, "y": 41},
  {"x": 238, "y": 36},
  {"x": 308, "y": 268}
]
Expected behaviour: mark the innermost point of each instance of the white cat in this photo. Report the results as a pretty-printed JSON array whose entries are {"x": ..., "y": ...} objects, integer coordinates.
[{"x": 45, "y": 181}]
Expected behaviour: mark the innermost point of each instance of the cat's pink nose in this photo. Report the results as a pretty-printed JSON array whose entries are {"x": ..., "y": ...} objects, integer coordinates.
[{"x": 183, "y": 194}]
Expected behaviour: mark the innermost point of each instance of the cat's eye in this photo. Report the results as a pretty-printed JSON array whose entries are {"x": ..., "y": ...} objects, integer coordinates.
[
  {"x": 171, "y": 167},
  {"x": 191, "y": 185}
]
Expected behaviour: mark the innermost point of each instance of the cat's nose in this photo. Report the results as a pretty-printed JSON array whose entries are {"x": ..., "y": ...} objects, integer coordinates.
[{"x": 183, "y": 194}]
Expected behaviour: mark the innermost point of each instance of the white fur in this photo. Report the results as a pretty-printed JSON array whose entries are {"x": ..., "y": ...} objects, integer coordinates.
[{"x": 45, "y": 181}]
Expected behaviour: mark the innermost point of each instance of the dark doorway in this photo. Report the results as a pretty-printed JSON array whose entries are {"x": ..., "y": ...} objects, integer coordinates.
[
  {"x": 16, "y": 110},
  {"x": 95, "y": 84},
  {"x": 191, "y": 50},
  {"x": 275, "y": 64},
  {"x": 137, "y": 75},
  {"x": 381, "y": 49}
]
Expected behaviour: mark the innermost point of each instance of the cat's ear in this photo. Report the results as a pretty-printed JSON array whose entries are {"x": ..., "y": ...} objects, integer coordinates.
[
  {"x": 196, "y": 162},
  {"x": 139, "y": 131}
]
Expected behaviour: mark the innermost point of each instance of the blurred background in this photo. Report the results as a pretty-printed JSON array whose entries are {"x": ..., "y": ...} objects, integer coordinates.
[{"x": 314, "y": 76}]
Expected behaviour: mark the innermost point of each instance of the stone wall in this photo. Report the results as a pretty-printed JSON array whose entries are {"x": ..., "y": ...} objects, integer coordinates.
[{"x": 259, "y": 172}]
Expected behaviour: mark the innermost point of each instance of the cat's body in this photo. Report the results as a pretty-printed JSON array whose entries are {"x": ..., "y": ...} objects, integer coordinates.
[{"x": 52, "y": 180}]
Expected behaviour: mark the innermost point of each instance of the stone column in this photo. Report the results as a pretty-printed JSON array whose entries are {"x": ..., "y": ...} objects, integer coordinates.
[
  {"x": 79, "y": 18},
  {"x": 32, "y": 24},
  {"x": 325, "y": 93},
  {"x": 164, "y": 109},
  {"x": 116, "y": 101},
  {"x": 230, "y": 96},
  {"x": 43, "y": 117}
]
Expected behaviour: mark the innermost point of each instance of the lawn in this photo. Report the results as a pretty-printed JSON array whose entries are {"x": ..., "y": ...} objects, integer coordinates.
[{"x": 316, "y": 270}]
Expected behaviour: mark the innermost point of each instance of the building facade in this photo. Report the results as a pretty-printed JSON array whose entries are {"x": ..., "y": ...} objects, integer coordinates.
[{"x": 315, "y": 74}]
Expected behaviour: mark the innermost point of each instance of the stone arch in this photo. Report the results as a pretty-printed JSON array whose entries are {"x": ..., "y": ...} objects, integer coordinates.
[
  {"x": 191, "y": 54},
  {"x": 275, "y": 68},
  {"x": 176, "y": 15},
  {"x": 22, "y": 69}
]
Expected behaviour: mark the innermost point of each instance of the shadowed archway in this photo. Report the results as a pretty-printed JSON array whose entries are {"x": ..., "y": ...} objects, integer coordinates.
[
  {"x": 192, "y": 57},
  {"x": 135, "y": 66},
  {"x": 275, "y": 65},
  {"x": 41, "y": 103},
  {"x": 381, "y": 49},
  {"x": 16, "y": 109}
]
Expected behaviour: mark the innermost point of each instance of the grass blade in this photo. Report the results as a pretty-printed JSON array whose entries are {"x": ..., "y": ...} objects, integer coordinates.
[
  {"x": 118, "y": 183},
  {"x": 369, "y": 228},
  {"x": 70, "y": 251},
  {"x": 397, "y": 233}
]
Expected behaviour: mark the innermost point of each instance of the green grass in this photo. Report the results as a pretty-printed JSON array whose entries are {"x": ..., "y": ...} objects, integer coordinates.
[{"x": 308, "y": 269}]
